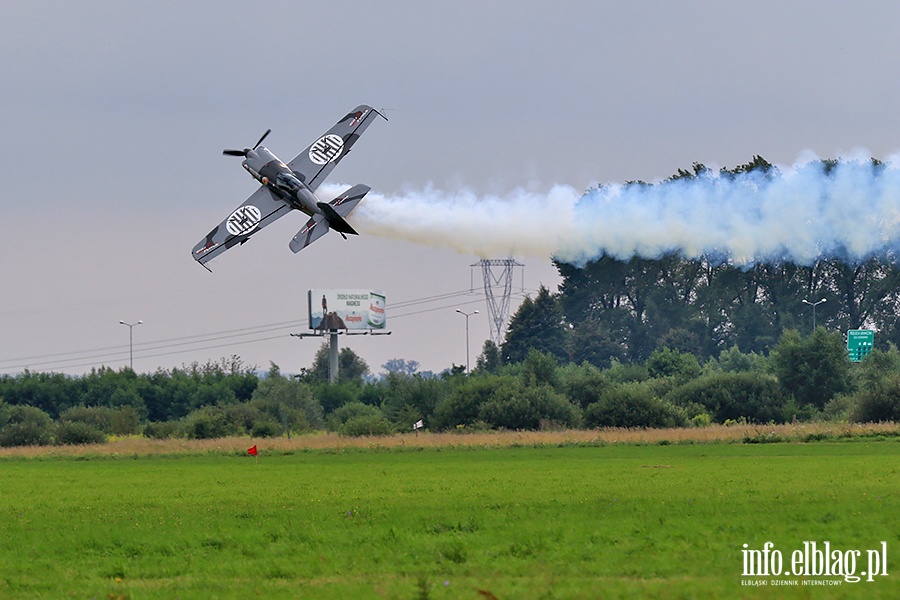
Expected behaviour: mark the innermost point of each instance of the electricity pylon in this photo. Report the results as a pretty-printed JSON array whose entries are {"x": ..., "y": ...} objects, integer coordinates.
[{"x": 498, "y": 274}]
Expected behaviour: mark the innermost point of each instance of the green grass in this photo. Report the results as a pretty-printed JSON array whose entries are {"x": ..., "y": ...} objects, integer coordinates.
[{"x": 530, "y": 522}]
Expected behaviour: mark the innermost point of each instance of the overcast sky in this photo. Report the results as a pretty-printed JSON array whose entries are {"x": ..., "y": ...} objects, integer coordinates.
[{"x": 114, "y": 116}]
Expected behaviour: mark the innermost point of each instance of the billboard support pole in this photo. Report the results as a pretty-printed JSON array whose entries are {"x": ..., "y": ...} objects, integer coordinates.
[{"x": 333, "y": 357}]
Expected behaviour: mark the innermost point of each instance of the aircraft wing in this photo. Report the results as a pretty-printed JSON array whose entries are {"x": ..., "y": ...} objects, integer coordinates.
[
  {"x": 314, "y": 164},
  {"x": 260, "y": 209}
]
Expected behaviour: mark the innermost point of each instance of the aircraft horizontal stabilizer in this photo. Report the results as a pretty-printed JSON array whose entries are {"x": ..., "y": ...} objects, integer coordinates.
[{"x": 315, "y": 228}]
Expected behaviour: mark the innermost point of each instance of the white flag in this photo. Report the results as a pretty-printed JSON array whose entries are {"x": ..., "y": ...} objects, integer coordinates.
[{"x": 418, "y": 424}]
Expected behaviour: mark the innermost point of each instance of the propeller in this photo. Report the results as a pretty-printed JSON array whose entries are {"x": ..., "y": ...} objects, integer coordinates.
[{"x": 246, "y": 150}]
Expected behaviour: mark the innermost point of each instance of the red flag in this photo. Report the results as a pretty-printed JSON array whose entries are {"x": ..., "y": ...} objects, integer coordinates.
[{"x": 252, "y": 451}]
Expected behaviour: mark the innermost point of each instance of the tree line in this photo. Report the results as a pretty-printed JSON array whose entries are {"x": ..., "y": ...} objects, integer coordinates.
[{"x": 801, "y": 378}]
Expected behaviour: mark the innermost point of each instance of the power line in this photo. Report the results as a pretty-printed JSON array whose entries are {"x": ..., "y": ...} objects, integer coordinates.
[{"x": 203, "y": 341}]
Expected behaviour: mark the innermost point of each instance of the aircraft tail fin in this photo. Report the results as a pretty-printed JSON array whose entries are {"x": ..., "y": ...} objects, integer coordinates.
[
  {"x": 339, "y": 208},
  {"x": 333, "y": 217},
  {"x": 335, "y": 220}
]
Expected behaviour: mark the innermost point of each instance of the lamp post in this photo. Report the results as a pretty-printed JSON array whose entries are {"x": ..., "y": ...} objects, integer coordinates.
[
  {"x": 130, "y": 341},
  {"x": 467, "y": 315},
  {"x": 814, "y": 305}
]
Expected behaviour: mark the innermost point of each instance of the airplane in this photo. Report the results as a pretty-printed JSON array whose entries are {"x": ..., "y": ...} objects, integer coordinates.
[{"x": 291, "y": 186}]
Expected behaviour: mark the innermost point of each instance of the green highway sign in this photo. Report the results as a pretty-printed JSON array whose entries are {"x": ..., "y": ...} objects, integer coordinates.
[{"x": 859, "y": 343}]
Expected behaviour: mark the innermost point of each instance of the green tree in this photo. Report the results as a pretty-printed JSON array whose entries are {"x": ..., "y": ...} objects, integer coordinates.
[
  {"x": 540, "y": 368},
  {"x": 584, "y": 384},
  {"x": 289, "y": 402},
  {"x": 350, "y": 366},
  {"x": 732, "y": 360},
  {"x": 537, "y": 324},
  {"x": 666, "y": 362},
  {"x": 490, "y": 360},
  {"x": 814, "y": 369},
  {"x": 410, "y": 398},
  {"x": 600, "y": 341},
  {"x": 333, "y": 396},
  {"x": 401, "y": 366}
]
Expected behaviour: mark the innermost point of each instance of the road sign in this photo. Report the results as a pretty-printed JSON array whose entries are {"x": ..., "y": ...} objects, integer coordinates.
[{"x": 859, "y": 343}]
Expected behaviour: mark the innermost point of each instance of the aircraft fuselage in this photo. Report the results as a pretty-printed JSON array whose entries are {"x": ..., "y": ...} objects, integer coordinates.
[{"x": 270, "y": 171}]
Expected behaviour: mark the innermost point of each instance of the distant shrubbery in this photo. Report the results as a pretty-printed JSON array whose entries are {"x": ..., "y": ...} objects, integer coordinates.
[{"x": 671, "y": 389}]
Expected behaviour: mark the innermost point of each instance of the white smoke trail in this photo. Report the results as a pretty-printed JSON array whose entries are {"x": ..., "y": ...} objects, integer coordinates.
[{"x": 804, "y": 213}]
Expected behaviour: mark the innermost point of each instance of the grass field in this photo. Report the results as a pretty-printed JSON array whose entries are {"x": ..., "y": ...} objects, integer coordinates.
[{"x": 576, "y": 521}]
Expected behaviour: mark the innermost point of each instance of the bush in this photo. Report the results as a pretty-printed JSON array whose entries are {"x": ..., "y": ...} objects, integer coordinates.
[
  {"x": 25, "y": 426},
  {"x": 750, "y": 395},
  {"x": 838, "y": 408},
  {"x": 245, "y": 415},
  {"x": 265, "y": 429},
  {"x": 349, "y": 411},
  {"x": 290, "y": 403},
  {"x": 880, "y": 402},
  {"x": 633, "y": 405},
  {"x": 519, "y": 407},
  {"x": 160, "y": 429},
  {"x": 366, "y": 425},
  {"x": 509, "y": 409},
  {"x": 122, "y": 420},
  {"x": 701, "y": 420},
  {"x": 97, "y": 417},
  {"x": 463, "y": 405},
  {"x": 207, "y": 423},
  {"x": 70, "y": 433}
]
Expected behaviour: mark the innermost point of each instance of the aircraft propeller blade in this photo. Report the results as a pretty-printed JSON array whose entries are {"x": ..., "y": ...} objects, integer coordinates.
[
  {"x": 268, "y": 131},
  {"x": 246, "y": 150}
]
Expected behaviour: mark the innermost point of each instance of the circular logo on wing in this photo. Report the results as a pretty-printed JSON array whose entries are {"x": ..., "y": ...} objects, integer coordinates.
[
  {"x": 326, "y": 149},
  {"x": 243, "y": 220}
]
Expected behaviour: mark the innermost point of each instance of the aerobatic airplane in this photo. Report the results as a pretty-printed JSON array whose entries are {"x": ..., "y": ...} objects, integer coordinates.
[{"x": 290, "y": 186}]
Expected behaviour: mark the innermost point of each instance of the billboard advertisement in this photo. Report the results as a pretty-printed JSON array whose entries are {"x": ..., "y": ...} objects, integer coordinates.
[{"x": 346, "y": 309}]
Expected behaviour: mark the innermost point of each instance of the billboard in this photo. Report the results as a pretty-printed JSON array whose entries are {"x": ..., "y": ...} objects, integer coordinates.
[{"x": 346, "y": 309}]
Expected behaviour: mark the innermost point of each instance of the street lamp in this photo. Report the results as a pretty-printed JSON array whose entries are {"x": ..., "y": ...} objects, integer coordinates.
[
  {"x": 130, "y": 341},
  {"x": 814, "y": 305},
  {"x": 467, "y": 315}
]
